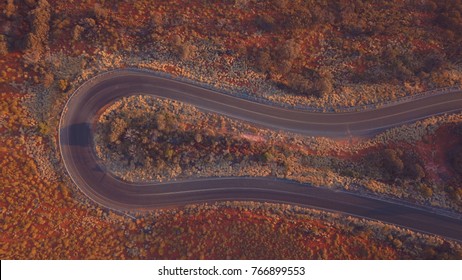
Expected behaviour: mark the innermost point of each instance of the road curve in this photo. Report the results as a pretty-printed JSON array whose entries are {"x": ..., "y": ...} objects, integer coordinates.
[{"x": 76, "y": 144}]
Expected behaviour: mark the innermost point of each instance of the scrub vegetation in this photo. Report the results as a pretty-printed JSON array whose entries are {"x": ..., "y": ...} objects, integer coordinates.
[{"x": 325, "y": 55}]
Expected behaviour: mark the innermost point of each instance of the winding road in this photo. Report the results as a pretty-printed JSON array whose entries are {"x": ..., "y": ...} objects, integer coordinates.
[{"x": 76, "y": 144}]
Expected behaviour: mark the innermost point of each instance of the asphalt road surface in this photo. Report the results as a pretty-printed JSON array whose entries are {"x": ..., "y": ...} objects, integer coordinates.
[{"x": 76, "y": 143}]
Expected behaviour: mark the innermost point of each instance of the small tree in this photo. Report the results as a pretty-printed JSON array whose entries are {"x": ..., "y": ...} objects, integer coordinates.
[
  {"x": 392, "y": 162},
  {"x": 263, "y": 60}
]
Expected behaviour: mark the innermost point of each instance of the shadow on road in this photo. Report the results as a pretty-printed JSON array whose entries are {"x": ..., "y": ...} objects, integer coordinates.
[{"x": 76, "y": 135}]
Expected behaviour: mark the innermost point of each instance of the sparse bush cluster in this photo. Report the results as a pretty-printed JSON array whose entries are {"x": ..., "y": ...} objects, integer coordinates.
[
  {"x": 347, "y": 29},
  {"x": 399, "y": 164},
  {"x": 3, "y": 45},
  {"x": 390, "y": 164},
  {"x": 282, "y": 60},
  {"x": 310, "y": 52},
  {"x": 161, "y": 138},
  {"x": 37, "y": 39}
]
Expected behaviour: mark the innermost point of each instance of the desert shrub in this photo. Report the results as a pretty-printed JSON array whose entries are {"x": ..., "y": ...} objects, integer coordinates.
[
  {"x": 309, "y": 83},
  {"x": 392, "y": 161},
  {"x": 263, "y": 60},
  {"x": 63, "y": 85},
  {"x": 77, "y": 32},
  {"x": 43, "y": 128},
  {"x": 391, "y": 164},
  {"x": 3, "y": 45},
  {"x": 48, "y": 79},
  {"x": 10, "y": 8},
  {"x": 37, "y": 39},
  {"x": 415, "y": 171}
]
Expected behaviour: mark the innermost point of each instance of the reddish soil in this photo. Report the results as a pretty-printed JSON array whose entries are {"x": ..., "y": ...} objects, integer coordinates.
[
  {"x": 434, "y": 151},
  {"x": 235, "y": 232}
]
